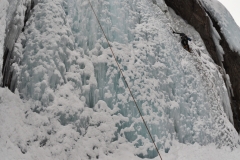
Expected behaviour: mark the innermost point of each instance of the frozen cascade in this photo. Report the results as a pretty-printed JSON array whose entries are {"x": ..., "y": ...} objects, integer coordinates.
[
  {"x": 13, "y": 17},
  {"x": 66, "y": 70}
]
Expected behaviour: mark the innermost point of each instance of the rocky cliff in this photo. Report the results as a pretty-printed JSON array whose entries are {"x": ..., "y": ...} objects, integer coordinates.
[{"x": 197, "y": 16}]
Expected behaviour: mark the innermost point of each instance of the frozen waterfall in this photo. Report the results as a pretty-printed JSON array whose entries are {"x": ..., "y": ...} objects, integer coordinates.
[{"x": 77, "y": 99}]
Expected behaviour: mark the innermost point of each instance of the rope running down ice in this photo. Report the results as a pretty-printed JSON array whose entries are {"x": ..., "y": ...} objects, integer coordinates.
[{"x": 125, "y": 81}]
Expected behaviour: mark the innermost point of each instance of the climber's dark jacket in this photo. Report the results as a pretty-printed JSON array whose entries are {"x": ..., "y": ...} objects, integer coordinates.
[{"x": 184, "y": 40}]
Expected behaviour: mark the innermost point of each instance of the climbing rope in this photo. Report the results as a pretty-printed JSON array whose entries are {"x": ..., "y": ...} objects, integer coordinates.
[{"x": 125, "y": 80}]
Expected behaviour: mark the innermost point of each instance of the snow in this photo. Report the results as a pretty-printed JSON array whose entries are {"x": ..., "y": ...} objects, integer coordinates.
[
  {"x": 198, "y": 46},
  {"x": 197, "y": 152},
  {"x": 231, "y": 32},
  {"x": 3, "y": 14},
  {"x": 228, "y": 26},
  {"x": 19, "y": 129},
  {"x": 220, "y": 52},
  {"x": 70, "y": 101}
]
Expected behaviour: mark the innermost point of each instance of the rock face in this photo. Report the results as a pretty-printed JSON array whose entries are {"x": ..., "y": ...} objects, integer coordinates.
[
  {"x": 196, "y": 15},
  {"x": 15, "y": 27}
]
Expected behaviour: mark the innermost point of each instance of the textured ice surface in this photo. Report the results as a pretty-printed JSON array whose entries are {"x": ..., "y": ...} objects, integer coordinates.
[
  {"x": 3, "y": 17},
  {"x": 13, "y": 18},
  {"x": 78, "y": 104},
  {"x": 22, "y": 130}
]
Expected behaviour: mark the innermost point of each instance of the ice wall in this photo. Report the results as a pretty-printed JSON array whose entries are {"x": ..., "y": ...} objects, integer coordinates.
[
  {"x": 68, "y": 73},
  {"x": 3, "y": 14},
  {"x": 14, "y": 16}
]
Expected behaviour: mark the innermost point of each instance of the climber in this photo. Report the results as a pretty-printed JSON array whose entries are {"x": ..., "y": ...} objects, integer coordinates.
[{"x": 184, "y": 41}]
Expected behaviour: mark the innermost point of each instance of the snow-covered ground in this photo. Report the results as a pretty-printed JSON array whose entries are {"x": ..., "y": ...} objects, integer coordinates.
[
  {"x": 70, "y": 101},
  {"x": 20, "y": 128}
]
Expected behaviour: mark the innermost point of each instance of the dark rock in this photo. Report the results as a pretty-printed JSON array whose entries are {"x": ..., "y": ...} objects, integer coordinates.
[
  {"x": 13, "y": 30},
  {"x": 195, "y": 14},
  {"x": 43, "y": 142}
]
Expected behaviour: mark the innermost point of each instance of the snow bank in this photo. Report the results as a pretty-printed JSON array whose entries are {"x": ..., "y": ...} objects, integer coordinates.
[
  {"x": 23, "y": 131},
  {"x": 197, "y": 152},
  {"x": 228, "y": 26}
]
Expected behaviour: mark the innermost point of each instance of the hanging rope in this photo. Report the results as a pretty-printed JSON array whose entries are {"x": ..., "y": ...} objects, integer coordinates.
[{"x": 125, "y": 81}]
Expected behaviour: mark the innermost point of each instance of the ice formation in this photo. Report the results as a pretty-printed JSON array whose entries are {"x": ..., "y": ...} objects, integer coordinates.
[
  {"x": 3, "y": 14},
  {"x": 76, "y": 103}
]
